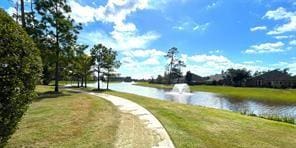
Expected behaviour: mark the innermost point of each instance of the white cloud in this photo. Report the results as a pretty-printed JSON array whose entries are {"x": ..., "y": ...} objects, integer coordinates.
[
  {"x": 206, "y": 65},
  {"x": 201, "y": 27},
  {"x": 120, "y": 41},
  {"x": 215, "y": 51},
  {"x": 282, "y": 14},
  {"x": 144, "y": 53},
  {"x": 278, "y": 14},
  {"x": 11, "y": 11},
  {"x": 280, "y": 37},
  {"x": 144, "y": 63},
  {"x": 293, "y": 43},
  {"x": 209, "y": 58},
  {"x": 82, "y": 14},
  {"x": 151, "y": 61},
  {"x": 290, "y": 65},
  {"x": 190, "y": 25},
  {"x": 132, "y": 40},
  {"x": 252, "y": 62},
  {"x": 266, "y": 48},
  {"x": 182, "y": 26},
  {"x": 125, "y": 35},
  {"x": 161, "y": 4},
  {"x": 258, "y": 28},
  {"x": 212, "y": 5},
  {"x": 115, "y": 11}
]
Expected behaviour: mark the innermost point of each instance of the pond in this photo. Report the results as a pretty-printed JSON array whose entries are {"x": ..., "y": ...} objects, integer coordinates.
[{"x": 208, "y": 99}]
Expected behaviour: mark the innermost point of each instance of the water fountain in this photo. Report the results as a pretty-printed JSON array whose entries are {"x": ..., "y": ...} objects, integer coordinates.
[
  {"x": 180, "y": 93},
  {"x": 181, "y": 88}
]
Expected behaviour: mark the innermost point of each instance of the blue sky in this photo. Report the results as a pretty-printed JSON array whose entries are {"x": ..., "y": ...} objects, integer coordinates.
[{"x": 211, "y": 35}]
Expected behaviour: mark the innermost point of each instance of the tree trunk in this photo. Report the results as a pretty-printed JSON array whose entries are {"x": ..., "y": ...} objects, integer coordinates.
[
  {"x": 78, "y": 83},
  {"x": 23, "y": 13},
  {"x": 108, "y": 75},
  {"x": 98, "y": 78},
  {"x": 82, "y": 81},
  {"x": 171, "y": 66},
  {"x": 56, "y": 89},
  {"x": 85, "y": 81}
]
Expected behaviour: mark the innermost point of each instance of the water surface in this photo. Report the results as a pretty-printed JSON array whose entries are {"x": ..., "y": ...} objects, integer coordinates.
[{"x": 207, "y": 99}]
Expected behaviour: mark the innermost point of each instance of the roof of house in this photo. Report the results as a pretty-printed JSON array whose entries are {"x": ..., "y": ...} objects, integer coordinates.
[
  {"x": 196, "y": 77},
  {"x": 274, "y": 75},
  {"x": 216, "y": 77}
]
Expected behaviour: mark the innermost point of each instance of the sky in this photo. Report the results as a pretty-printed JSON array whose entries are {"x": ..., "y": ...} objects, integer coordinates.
[{"x": 211, "y": 35}]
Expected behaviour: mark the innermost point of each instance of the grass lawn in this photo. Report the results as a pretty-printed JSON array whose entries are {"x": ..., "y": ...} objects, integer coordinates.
[
  {"x": 261, "y": 94},
  {"x": 194, "y": 126},
  {"x": 67, "y": 119}
]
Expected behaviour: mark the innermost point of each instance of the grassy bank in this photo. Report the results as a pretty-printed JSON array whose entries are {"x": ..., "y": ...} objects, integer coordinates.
[
  {"x": 67, "y": 119},
  {"x": 193, "y": 126},
  {"x": 160, "y": 86},
  {"x": 260, "y": 94}
]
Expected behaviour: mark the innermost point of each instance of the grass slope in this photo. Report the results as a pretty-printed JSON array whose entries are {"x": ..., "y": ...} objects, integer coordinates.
[
  {"x": 194, "y": 126},
  {"x": 286, "y": 96},
  {"x": 68, "y": 119}
]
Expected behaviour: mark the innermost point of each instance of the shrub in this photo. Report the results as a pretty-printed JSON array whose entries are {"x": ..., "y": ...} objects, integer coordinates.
[{"x": 20, "y": 68}]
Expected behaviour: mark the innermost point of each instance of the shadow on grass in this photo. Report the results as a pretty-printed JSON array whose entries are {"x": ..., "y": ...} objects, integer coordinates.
[
  {"x": 73, "y": 91},
  {"x": 88, "y": 89},
  {"x": 50, "y": 94}
]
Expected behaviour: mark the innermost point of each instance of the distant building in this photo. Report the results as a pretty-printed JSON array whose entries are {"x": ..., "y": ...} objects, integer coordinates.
[
  {"x": 193, "y": 79},
  {"x": 121, "y": 79},
  {"x": 273, "y": 79},
  {"x": 215, "y": 79}
]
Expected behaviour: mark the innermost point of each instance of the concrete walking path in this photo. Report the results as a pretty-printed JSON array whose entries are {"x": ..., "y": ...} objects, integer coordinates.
[{"x": 144, "y": 115}]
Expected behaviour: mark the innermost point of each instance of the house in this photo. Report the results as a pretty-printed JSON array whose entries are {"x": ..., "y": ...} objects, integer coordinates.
[
  {"x": 215, "y": 79},
  {"x": 273, "y": 79},
  {"x": 193, "y": 79},
  {"x": 293, "y": 81}
]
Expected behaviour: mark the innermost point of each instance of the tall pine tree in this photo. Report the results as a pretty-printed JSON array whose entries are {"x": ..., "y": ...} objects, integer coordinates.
[{"x": 60, "y": 27}]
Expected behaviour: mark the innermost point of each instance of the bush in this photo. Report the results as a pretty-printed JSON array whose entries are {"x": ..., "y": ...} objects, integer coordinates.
[{"x": 20, "y": 68}]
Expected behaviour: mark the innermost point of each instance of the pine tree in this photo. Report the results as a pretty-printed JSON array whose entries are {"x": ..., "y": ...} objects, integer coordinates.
[
  {"x": 97, "y": 56},
  {"x": 59, "y": 26},
  {"x": 110, "y": 63}
]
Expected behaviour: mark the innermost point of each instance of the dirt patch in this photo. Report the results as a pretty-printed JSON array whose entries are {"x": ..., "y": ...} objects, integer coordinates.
[{"x": 132, "y": 132}]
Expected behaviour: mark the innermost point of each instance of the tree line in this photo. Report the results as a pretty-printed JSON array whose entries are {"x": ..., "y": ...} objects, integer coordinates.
[
  {"x": 232, "y": 77},
  {"x": 49, "y": 24}
]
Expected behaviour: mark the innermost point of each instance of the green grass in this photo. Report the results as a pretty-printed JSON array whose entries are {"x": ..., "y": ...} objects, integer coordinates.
[
  {"x": 61, "y": 83},
  {"x": 194, "y": 126},
  {"x": 160, "y": 86},
  {"x": 67, "y": 119},
  {"x": 286, "y": 96}
]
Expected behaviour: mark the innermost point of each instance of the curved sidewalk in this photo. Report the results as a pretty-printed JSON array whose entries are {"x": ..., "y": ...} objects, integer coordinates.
[{"x": 151, "y": 122}]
